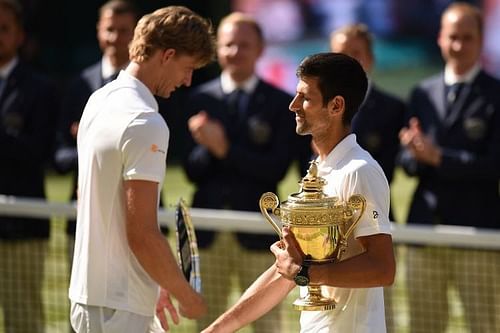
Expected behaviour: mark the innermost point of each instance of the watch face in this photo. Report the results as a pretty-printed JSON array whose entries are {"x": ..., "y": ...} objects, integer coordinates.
[{"x": 301, "y": 280}]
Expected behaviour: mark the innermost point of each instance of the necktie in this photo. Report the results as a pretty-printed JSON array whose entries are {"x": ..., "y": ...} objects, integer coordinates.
[
  {"x": 235, "y": 102},
  {"x": 453, "y": 93}
]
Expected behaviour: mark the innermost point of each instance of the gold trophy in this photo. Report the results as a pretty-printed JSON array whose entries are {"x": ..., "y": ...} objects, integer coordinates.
[{"x": 321, "y": 225}]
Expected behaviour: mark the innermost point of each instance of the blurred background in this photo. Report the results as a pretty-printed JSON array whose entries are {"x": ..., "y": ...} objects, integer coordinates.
[
  {"x": 62, "y": 37},
  {"x": 62, "y": 41}
]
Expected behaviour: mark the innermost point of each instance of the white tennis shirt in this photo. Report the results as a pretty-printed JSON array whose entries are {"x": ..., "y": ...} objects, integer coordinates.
[
  {"x": 121, "y": 137},
  {"x": 348, "y": 170}
]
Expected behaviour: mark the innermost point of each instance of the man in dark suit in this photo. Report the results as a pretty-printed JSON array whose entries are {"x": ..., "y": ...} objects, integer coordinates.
[
  {"x": 242, "y": 144},
  {"x": 381, "y": 116},
  {"x": 379, "y": 119},
  {"x": 115, "y": 29},
  {"x": 28, "y": 111},
  {"x": 453, "y": 146}
]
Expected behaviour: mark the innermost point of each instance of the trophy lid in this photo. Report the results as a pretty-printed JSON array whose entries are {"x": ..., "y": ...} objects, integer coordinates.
[{"x": 311, "y": 190}]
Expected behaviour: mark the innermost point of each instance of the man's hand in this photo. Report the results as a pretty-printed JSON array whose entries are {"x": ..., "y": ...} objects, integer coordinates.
[
  {"x": 289, "y": 255},
  {"x": 421, "y": 146},
  {"x": 165, "y": 304},
  {"x": 209, "y": 133}
]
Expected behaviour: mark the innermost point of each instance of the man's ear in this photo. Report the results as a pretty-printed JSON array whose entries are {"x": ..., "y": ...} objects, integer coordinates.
[
  {"x": 167, "y": 55},
  {"x": 336, "y": 105}
]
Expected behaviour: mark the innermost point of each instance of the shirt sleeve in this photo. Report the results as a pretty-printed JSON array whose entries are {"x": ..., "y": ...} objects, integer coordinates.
[
  {"x": 372, "y": 185},
  {"x": 144, "y": 148}
]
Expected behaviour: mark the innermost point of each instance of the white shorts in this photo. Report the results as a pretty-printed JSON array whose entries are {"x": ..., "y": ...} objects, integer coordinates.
[{"x": 96, "y": 319}]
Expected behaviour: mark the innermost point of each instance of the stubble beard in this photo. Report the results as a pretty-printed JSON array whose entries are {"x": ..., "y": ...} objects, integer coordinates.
[{"x": 302, "y": 129}]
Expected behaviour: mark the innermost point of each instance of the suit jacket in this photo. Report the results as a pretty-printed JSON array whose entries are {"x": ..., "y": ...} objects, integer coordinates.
[
  {"x": 28, "y": 113},
  {"x": 464, "y": 189},
  {"x": 377, "y": 125},
  {"x": 73, "y": 103},
  {"x": 263, "y": 144},
  {"x": 76, "y": 96}
]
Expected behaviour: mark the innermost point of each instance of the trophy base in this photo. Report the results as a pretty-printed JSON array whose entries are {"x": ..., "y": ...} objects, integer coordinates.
[{"x": 314, "y": 303}]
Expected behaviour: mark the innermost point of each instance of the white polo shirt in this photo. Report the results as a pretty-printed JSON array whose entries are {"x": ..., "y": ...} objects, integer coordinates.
[
  {"x": 348, "y": 170},
  {"x": 121, "y": 137}
]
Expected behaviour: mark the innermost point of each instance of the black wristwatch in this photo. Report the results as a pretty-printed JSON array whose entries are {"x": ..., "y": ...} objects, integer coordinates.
[{"x": 302, "y": 277}]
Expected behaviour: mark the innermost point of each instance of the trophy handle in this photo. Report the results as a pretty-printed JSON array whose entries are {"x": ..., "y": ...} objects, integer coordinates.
[
  {"x": 356, "y": 202},
  {"x": 269, "y": 201}
]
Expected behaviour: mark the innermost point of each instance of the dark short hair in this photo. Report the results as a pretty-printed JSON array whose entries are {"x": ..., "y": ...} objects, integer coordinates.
[
  {"x": 15, "y": 7},
  {"x": 120, "y": 7},
  {"x": 337, "y": 74}
]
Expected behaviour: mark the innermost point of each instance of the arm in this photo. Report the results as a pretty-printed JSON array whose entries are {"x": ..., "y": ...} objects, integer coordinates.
[
  {"x": 73, "y": 103},
  {"x": 263, "y": 295},
  {"x": 374, "y": 267},
  {"x": 214, "y": 146},
  {"x": 152, "y": 250},
  {"x": 455, "y": 155}
]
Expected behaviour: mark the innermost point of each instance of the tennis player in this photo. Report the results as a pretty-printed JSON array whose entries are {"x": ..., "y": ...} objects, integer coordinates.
[
  {"x": 123, "y": 270},
  {"x": 330, "y": 90}
]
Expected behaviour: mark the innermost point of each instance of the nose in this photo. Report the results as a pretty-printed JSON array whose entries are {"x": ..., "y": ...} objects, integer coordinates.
[
  {"x": 112, "y": 36},
  {"x": 188, "y": 78},
  {"x": 232, "y": 50},
  {"x": 457, "y": 45},
  {"x": 294, "y": 105}
]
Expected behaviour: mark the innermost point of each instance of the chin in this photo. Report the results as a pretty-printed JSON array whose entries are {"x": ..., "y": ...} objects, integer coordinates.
[{"x": 163, "y": 94}]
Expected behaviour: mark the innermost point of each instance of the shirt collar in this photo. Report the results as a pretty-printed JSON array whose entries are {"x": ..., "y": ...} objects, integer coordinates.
[
  {"x": 107, "y": 68},
  {"x": 229, "y": 85},
  {"x": 8, "y": 68},
  {"x": 141, "y": 87},
  {"x": 337, "y": 154},
  {"x": 451, "y": 78}
]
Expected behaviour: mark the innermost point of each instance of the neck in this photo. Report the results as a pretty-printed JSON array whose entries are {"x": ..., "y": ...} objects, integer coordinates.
[
  {"x": 118, "y": 63},
  {"x": 5, "y": 61},
  {"x": 239, "y": 78},
  {"x": 325, "y": 143},
  {"x": 461, "y": 69},
  {"x": 142, "y": 72}
]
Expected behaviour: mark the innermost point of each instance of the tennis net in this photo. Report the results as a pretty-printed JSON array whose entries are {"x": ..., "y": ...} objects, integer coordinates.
[{"x": 423, "y": 253}]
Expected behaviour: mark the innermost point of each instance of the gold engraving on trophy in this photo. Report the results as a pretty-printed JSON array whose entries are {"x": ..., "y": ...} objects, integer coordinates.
[{"x": 321, "y": 225}]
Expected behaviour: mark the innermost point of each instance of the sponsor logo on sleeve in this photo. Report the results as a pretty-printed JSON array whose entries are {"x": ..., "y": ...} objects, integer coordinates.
[{"x": 156, "y": 149}]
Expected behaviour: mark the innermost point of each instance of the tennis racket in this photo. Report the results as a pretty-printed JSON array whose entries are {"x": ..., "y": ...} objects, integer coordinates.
[{"x": 187, "y": 247}]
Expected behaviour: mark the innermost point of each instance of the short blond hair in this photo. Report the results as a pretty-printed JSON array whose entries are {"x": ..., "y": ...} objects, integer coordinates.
[
  {"x": 242, "y": 18},
  {"x": 173, "y": 27},
  {"x": 356, "y": 30}
]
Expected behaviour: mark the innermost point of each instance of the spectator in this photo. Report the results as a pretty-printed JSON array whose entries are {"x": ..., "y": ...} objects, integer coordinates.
[
  {"x": 330, "y": 90},
  {"x": 121, "y": 258},
  {"x": 242, "y": 144},
  {"x": 28, "y": 111},
  {"x": 115, "y": 29},
  {"x": 381, "y": 116},
  {"x": 453, "y": 146}
]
